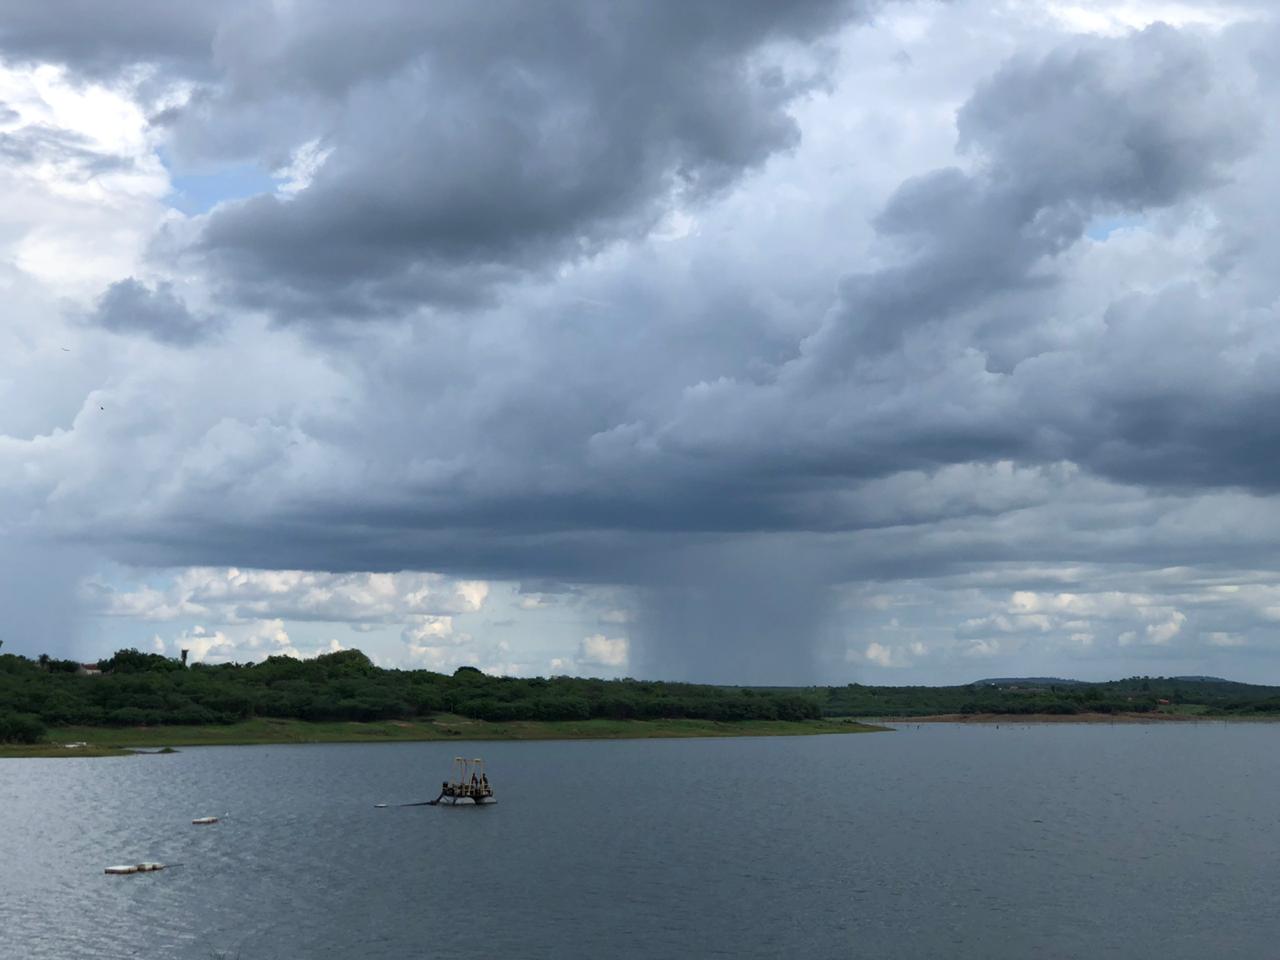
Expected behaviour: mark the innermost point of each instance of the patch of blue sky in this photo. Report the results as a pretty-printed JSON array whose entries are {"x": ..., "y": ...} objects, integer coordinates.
[
  {"x": 195, "y": 193},
  {"x": 1100, "y": 228}
]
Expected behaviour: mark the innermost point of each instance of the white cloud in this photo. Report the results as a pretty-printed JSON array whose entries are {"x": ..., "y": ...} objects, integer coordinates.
[
  {"x": 600, "y": 651},
  {"x": 890, "y": 655},
  {"x": 1161, "y": 633},
  {"x": 981, "y": 648},
  {"x": 1076, "y": 617},
  {"x": 594, "y": 655},
  {"x": 241, "y": 643},
  {"x": 83, "y": 184},
  {"x": 232, "y": 595},
  {"x": 1221, "y": 639},
  {"x": 879, "y": 654},
  {"x": 428, "y": 629},
  {"x": 302, "y": 167},
  {"x": 1117, "y": 17},
  {"x": 433, "y": 643}
]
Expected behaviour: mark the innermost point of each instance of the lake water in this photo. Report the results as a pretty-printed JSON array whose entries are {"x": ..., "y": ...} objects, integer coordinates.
[{"x": 939, "y": 842}]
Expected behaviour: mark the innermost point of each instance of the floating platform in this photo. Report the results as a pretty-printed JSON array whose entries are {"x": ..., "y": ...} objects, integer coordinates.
[
  {"x": 470, "y": 785},
  {"x": 135, "y": 868}
]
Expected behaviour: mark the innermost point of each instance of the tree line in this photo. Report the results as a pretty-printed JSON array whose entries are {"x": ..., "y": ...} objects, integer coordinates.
[
  {"x": 1208, "y": 696},
  {"x": 137, "y": 688}
]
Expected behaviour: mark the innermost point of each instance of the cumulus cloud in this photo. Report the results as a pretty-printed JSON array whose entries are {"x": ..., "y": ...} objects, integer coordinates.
[
  {"x": 129, "y": 306},
  {"x": 241, "y": 644},
  {"x": 1220, "y": 638},
  {"x": 233, "y": 595},
  {"x": 596, "y": 655},
  {"x": 551, "y": 132},
  {"x": 433, "y": 643},
  {"x": 734, "y": 311},
  {"x": 1071, "y": 621},
  {"x": 84, "y": 186},
  {"x": 100, "y": 41},
  {"x": 601, "y": 651}
]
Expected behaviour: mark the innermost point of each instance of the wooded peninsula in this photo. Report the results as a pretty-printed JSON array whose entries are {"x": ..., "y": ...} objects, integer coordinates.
[{"x": 136, "y": 698}]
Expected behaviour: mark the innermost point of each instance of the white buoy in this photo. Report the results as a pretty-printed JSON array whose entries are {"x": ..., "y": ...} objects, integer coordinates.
[
  {"x": 203, "y": 820},
  {"x": 146, "y": 867}
]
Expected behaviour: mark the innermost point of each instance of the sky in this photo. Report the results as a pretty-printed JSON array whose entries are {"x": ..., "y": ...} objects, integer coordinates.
[{"x": 836, "y": 341}]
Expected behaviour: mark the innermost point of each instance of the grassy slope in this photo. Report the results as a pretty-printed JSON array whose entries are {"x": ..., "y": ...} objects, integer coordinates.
[{"x": 110, "y": 739}]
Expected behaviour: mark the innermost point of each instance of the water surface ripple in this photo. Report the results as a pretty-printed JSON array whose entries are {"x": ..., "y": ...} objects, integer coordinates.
[{"x": 944, "y": 841}]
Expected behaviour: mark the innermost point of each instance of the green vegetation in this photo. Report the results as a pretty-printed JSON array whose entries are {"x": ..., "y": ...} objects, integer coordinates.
[
  {"x": 143, "y": 699},
  {"x": 20, "y": 728},
  {"x": 1177, "y": 696},
  {"x": 114, "y": 741},
  {"x": 444, "y": 727},
  {"x": 146, "y": 690}
]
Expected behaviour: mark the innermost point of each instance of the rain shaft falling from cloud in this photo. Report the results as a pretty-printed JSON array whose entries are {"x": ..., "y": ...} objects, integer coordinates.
[{"x": 733, "y": 612}]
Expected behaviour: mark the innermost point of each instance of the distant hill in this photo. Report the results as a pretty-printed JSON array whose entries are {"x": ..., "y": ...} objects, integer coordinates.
[
  {"x": 1188, "y": 696},
  {"x": 1209, "y": 680},
  {"x": 1063, "y": 682}
]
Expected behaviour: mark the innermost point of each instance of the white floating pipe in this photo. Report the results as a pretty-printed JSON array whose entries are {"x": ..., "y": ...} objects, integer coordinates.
[{"x": 146, "y": 867}]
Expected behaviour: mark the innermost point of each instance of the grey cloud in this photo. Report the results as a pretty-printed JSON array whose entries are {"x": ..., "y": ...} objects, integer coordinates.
[
  {"x": 488, "y": 141},
  {"x": 551, "y": 435},
  {"x": 38, "y": 143},
  {"x": 1096, "y": 126},
  {"x": 902, "y": 376},
  {"x": 1136, "y": 123},
  {"x": 988, "y": 388},
  {"x": 101, "y": 39},
  {"x": 129, "y": 306}
]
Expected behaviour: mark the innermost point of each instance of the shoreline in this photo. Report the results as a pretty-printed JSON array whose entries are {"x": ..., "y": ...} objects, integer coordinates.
[
  {"x": 1090, "y": 718},
  {"x": 126, "y": 741}
]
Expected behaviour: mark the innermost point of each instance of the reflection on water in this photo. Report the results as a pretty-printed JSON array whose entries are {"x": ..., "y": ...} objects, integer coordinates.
[{"x": 947, "y": 841}]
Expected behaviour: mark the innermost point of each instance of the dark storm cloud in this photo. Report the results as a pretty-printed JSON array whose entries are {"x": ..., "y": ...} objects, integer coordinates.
[
  {"x": 1093, "y": 127},
  {"x": 129, "y": 306},
  {"x": 486, "y": 140},
  {"x": 553, "y": 440},
  {"x": 533, "y": 442},
  {"x": 984, "y": 386},
  {"x": 101, "y": 39}
]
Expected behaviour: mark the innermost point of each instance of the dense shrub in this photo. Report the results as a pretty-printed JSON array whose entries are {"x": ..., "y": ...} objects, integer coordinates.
[
  {"x": 20, "y": 728},
  {"x": 346, "y": 685}
]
